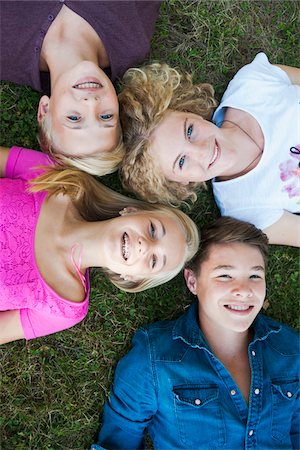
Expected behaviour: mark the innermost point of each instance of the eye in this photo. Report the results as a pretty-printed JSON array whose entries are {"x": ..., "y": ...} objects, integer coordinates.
[
  {"x": 152, "y": 230},
  {"x": 189, "y": 131},
  {"x": 181, "y": 162},
  {"x": 106, "y": 116},
  {"x": 224, "y": 276},
  {"x": 74, "y": 117},
  {"x": 153, "y": 261},
  {"x": 255, "y": 277}
]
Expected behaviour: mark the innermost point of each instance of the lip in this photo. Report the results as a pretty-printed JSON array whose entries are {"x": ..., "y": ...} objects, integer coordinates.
[
  {"x": 125, "y": 246},
  {"x": 216, "y": 155},
  {"x": 239, "y": 312},
  {"x": 88, "y": 79}
]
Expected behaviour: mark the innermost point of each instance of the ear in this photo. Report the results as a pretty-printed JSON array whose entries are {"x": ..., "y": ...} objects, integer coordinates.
[
  {"x": 128, "y": 210},
  {"x": 191, "y": 280},
  {"x": 43, "y": 108},
  {"x": 128, "y": 278}
]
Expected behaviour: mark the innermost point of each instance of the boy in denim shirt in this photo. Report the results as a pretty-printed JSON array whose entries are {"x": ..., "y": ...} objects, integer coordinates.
[{"x": 221, "y": 375}]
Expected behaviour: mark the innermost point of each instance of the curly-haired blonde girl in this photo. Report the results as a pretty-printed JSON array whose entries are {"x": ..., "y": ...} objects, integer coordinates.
[{"x": 148, "y": 93}]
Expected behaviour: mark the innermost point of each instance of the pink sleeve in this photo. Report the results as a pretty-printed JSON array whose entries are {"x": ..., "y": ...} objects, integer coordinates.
[
  {"x": 36, "y": 323},
  {"x": 22, "y": 163}
]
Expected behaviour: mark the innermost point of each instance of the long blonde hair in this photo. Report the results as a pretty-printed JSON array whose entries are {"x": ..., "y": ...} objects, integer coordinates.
[
  {"x": 147, "y": 94},
  {"x": 102, "y": 164},
  {"x": 94, "y": 202}
]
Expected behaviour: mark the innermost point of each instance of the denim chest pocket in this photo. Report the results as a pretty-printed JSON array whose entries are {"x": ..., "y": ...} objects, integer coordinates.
[
  {"x": 199, "y": 416},
  {"x": 284, "y": 395}
]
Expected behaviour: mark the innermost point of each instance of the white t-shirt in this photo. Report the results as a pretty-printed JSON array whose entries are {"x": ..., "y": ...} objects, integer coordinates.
[{"x": 262, "y": 195}]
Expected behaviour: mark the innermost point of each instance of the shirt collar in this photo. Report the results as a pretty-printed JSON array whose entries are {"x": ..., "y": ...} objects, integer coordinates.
[{"x": 187, "y": 328}]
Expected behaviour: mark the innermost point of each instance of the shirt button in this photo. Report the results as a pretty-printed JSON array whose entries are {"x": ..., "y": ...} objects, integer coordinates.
[
  {"x": 289, "y": 394},
  {"x": 253, "y": 353},
  {"x": 256, "y": 391},
  {"x": 232, "y": 392},
  {"x": 50, "y": 17},
  {"x": 251, "y": 433},
  {"x": 197, "y": 401}
]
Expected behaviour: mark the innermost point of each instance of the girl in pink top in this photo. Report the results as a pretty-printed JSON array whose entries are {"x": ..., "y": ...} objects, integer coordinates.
[{"x": 48, "y": 242}]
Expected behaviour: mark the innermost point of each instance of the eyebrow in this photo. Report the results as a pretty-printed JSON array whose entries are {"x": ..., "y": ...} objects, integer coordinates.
[
  {"x": 107, "y": 125},
  {"x": 229, "y": 267}
]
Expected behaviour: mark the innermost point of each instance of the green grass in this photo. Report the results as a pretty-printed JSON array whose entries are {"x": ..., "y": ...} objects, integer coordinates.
[{"x": 53, "y": 389}]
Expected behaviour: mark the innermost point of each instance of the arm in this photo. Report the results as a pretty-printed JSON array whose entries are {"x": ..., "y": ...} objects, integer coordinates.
[
  {"x": 10, "y": 326},
  {"x": 292, "y": 72},
  {"x": 286, "y": 231},
  {"x": 132, "y": 401},
  {"x": 4, "y": 152}
]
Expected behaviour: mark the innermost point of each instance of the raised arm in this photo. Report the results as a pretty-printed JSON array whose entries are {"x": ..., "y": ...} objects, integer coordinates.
[
  {"x": 292, "y": 72},
  {"x": 286, "y": 231},
  {"x": 10, "y": 326},
  {"x": 4, "y": 152}
]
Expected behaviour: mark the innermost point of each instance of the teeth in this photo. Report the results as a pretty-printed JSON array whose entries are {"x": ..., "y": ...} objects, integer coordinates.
[
  {"x": 214, "y": 155},
  {"x": 238, "y": 308},
  {"x": 87, "y": 85},
  {"x": 125, "y": 247}
]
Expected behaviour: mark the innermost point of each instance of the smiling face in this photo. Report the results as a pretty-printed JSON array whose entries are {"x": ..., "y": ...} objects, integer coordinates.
[
  {"x": 141, "y": 244},
  {"x": 188, "y": 148},
  {"x": 230, "y": 287},
  {"x": 84, "y": 111}
]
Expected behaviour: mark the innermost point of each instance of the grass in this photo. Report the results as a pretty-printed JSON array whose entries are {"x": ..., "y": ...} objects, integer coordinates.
[{"x": 53, "y": 388}]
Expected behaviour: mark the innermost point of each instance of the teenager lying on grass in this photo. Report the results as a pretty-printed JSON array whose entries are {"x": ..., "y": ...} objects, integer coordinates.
[
  {"x": 250, "y": 150},
  {"x": 73, "y": 46},
  {"x": 222, "y": 375},
  {"x": 49, "y": 237}
]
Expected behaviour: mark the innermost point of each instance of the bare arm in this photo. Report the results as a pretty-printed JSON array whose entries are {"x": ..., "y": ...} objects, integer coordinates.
[
  {"x": 4, "y": 152},
  {"x": 292, "y": 72},
  {"x": 10, "y": 326},
  {"x": 286, "y": 231}
]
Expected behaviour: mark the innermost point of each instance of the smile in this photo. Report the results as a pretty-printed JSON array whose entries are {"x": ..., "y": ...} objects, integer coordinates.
[
  {"x": 215, "y": 155},
  {"x": 125, "y": 246},
  {"x": 88, "y": 85},
  {"x": 239, "y": 309}
]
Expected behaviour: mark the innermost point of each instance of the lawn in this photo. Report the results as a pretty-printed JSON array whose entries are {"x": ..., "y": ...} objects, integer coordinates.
[{"x": 53, "y": 388}]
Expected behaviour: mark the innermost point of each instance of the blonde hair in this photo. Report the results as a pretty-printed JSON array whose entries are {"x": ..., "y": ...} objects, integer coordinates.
[
  {"x": 95, "y": 201},
  {"x": 102, "y": 164},
  {"x": 147, "y": 94}
]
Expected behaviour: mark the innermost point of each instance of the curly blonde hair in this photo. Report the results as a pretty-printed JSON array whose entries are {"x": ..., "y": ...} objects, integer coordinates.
[
  {"x": 147, "y": 94},
  {"x": 94, "y": 202},
  {"x": 102, "y": 164}
]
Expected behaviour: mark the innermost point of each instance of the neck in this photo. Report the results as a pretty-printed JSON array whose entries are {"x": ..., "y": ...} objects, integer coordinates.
[
  {"x": 249, "y": 150},
  {"x": 69, "y": 41},
  {"x": 225, "y": 344}
]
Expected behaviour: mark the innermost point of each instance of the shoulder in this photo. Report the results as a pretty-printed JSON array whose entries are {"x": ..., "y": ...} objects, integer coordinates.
[
  {"x": 285, "y": 341},
  {"x": 25, "y": 163}
]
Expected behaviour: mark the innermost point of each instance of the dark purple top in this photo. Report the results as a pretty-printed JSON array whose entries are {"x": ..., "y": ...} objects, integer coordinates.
[{"x": 125, "y": 28}]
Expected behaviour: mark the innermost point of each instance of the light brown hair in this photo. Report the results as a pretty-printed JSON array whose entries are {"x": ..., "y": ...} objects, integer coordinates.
[{"x": 227, "y": 230}]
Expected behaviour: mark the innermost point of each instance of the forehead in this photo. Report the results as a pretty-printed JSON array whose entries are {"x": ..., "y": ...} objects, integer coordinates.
[{"x": 237, "y": 255}]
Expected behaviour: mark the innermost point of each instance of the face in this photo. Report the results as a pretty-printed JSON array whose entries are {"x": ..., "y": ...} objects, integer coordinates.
[
  {"x": 230, "y": 287},
  {"x": 141, "y": 243},
  {"x": 84, "y": 111},
  {"x": 188, "y": 148}
]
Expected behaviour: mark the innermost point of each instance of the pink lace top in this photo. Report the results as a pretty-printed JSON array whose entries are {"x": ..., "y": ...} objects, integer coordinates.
[{"x": 42, "y": 311}]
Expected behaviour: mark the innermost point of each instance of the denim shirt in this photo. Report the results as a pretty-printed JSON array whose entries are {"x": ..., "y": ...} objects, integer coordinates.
[{"x": 171, "y": 384}]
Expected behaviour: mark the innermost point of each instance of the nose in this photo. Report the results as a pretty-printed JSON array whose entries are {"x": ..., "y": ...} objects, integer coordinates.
[
  {"x": 91, "y": 97},
  {"x": 242, "y": 290},
  {"x": 143, "y": 245}
]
